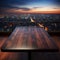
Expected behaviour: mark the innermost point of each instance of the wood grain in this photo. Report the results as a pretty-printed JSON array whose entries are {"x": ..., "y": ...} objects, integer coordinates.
[{"x": 29, "y": 38}]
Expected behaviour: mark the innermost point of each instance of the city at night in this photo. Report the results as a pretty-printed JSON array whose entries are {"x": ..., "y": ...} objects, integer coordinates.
[{"x": 29, "y": 29}]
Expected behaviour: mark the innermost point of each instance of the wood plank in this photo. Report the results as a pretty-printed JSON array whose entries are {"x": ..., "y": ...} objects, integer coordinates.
[
  {"x": 29, "y": 38},
  {"x": 48, "y": 39}
]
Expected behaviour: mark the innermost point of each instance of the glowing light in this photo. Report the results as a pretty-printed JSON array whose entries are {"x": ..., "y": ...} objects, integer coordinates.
[
  {"x": 46, "y": 28},
  {"x": 21, "y": 48},
  {"x": 32, "y": 20},
  {"x": 41, "y": 25}
]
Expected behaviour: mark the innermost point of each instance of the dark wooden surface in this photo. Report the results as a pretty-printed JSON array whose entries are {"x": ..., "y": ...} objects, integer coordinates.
[
  {"x": 13, "y": 56},
  {"x": 45, "y": 56},
  {"x": 29, "y": 38}
]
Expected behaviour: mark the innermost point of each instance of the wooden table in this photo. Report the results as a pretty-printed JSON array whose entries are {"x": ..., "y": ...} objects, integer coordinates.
[{"x": 29, "y": 39}]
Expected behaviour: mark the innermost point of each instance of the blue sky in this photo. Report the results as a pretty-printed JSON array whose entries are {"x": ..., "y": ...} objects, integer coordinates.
[{"x": 8, "y": 3}]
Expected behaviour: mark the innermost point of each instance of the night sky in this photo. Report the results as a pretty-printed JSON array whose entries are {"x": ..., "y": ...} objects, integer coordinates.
[{"x": 29, "y": 6}]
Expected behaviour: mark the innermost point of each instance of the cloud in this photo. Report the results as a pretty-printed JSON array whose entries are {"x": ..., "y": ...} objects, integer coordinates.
[
  {"x": 25, "y": 9},
  {"x": 11, "y": 9},
  {"x": 37, "y": 7}
]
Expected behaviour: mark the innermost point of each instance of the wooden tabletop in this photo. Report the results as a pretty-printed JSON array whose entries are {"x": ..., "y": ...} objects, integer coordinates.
[{"x": 29, "y": 38}]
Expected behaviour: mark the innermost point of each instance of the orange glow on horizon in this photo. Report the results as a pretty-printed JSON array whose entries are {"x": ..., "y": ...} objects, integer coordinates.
[
  {"x": 46, "y": 10},
  {"x": 43, "y": 10}
]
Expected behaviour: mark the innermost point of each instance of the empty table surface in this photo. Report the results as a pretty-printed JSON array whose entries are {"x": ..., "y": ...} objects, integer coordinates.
[{"x": 29, "y": 38}]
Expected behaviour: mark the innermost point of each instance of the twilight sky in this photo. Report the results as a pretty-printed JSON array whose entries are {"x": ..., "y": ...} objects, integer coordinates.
[{"x": 29, "y": 6}]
